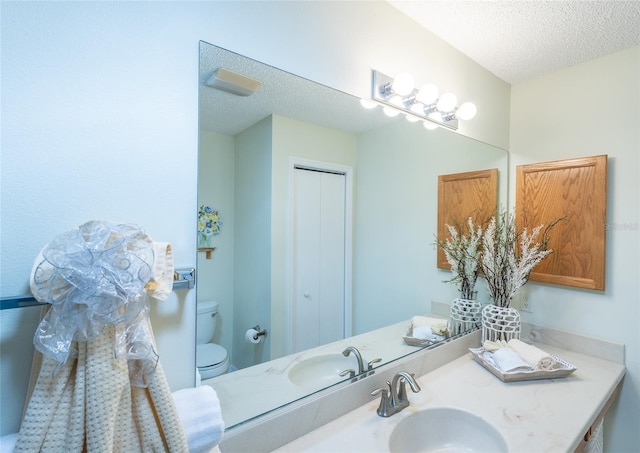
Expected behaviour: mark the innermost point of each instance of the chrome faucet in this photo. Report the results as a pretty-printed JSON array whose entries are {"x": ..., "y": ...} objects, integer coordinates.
[
  {"x": 394, "y": 398},
  {"x": 362, "y": 369},
  {"x": 355, "y": 351}
]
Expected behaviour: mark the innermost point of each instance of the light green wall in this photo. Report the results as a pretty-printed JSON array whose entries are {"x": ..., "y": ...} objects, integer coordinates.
[
  {"x": 216, "y": 189},
  {"x": 308, "y": 141},
  {"x": 395, "y": 273},
  {"x": 585, "y": 110},
  {"x": 395, "y": 197},
  {"x": 253, "y": 171},
  {"x": 252, "y": 274}
]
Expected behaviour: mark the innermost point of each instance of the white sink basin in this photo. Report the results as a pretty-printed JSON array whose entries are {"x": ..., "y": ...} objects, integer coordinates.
[
  {"x": 445, "y": 430},
  {"x": 322, "y": 370}
]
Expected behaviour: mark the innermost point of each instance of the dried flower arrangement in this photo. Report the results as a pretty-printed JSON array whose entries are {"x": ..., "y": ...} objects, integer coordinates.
[
  {"x": 509, "y": 256},
  {"x": 503, "y": 256},
  {"x": 463, "y": 254}
]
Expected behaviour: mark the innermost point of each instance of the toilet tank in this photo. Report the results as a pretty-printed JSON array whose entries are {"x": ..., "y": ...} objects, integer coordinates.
[{"x": 205, "y": 321}]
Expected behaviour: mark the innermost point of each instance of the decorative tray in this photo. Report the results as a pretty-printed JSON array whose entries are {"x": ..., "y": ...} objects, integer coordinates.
[
  {"x": 413, "y": 341},
  {"x": 513, "y": 376}
]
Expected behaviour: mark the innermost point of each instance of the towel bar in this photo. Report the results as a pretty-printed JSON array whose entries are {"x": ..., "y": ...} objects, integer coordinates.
[{"x": 183, "y": 278}]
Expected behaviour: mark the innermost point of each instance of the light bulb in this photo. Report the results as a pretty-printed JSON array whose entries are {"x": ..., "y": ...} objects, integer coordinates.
[
  {"x": 396, "y": 100},
  {"x": 390, "y": 112},
  {"x": 427, "y": 94},
  {"x": 418, "y": 109},
  {"x": 435, "y": 116},
  {"x": 447, "y": 102},
  {"x": 467, "y": 111},
  {"x": 403, "y": 84},
  {"x": 429, "y": 125},
  {"x": 368, "y": 104},
  {"x": 412, "y": 119}
]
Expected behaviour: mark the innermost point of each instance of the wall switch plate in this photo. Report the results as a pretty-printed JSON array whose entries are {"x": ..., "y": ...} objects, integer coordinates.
[{"x": 522, "y": 302}]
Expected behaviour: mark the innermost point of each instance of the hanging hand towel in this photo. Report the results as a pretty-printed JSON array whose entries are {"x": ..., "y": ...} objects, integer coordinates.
[
  {"x": 100, "y": 386},
  {"x": 201, "y": 417},
  {"x": 161, "y": 283}
]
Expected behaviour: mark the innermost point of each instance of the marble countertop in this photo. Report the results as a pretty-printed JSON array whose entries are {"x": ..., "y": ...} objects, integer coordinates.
[
  {"x": 252, "y": 391},
  {"x": 533, "y": 416}
]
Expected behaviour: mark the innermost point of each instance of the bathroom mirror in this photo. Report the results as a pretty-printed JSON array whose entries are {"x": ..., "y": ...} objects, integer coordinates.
[{"x": 391, "y": 168}]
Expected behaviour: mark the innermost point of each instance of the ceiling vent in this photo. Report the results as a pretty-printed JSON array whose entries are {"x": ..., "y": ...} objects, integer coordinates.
[{"x": 233, "y": 82}]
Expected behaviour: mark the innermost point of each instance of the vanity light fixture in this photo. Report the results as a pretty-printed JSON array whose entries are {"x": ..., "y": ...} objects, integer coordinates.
[
  {"x": 399, "y": 95},
  {"x": 368, "y": 104},
  {"x": 233, "y": 82}
]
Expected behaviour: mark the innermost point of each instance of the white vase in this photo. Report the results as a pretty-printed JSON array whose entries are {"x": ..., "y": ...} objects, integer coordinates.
[
  {"x": 464, "y": 315},
  {"x": 500, "y": 323}
]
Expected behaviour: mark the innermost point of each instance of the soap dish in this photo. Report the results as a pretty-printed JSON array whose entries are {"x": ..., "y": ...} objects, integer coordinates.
[{"x": 514, "y": 376}]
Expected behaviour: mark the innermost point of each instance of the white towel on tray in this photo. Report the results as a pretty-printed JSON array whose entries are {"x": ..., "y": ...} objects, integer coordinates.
[
  {"x": 201, "y": 417},
  {"x": 423, "y": 323},
  {"x": 535, "y": 357},
  {"x": 423, "y": 332},
  {"x": 507, "y": 360}
]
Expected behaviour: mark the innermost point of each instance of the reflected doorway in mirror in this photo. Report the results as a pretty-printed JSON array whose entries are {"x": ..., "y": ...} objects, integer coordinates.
[{"x": 318, "y": 237}]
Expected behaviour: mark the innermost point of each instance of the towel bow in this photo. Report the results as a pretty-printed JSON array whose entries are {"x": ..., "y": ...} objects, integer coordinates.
[{"x": 94, "y": 276}]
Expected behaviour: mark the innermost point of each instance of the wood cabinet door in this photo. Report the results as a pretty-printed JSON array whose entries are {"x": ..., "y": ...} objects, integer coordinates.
[
  {"x": 463, "y": 195},
  {"x": 575, "y": 190}
]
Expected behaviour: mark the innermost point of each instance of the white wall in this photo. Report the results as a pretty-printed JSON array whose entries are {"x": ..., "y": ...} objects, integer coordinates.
[
  {"x": 99, "y": 119},
  {"x": 585, "y": 110}
]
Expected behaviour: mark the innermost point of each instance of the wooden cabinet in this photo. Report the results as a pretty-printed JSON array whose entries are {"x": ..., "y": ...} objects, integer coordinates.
[
  {"x": 576, "y": 191},
  {"x": 463, "y": 195}
]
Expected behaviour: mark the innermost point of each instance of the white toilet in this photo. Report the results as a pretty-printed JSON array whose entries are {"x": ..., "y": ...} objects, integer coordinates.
[{"x": 211, "y": 359}]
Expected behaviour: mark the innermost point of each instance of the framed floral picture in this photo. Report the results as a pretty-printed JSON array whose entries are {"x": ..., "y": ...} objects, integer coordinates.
[{"x": 209, "y": 224}]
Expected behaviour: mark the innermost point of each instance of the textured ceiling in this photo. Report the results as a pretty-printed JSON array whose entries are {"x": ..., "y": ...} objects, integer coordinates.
[
  {"x": 281, "y": 94},
  {"x": 519, "y": 40},
  {"x": 515, "y": 40}
]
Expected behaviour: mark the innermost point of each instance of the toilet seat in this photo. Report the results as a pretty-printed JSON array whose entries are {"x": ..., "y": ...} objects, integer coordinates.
[
  {"x": 212, "y": 360},
  {"x": 210, "y": 355}
]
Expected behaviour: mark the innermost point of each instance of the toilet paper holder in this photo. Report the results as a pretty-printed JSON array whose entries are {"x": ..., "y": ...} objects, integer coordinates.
[{"x": 260, "y": 332}]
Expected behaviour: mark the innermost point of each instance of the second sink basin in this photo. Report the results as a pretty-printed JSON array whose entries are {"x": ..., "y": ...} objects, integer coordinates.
[
  {"x": 322, "y": 370},
  {"x": 445, "y": 429}
]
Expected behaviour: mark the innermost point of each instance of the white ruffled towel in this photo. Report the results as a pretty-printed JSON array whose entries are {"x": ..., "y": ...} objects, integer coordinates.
[
  {"x": 509, "y": 361},
  {"x": 201, "y": 418},
  {"x": 425, "y": 328},
  {"x": 517, "y": 355},
  {"x": 161, "y": 283},
  {"x": 535, "y": 357}
]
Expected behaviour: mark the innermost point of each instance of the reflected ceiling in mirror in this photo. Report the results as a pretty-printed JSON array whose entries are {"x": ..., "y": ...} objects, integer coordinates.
[{"x": 281, "y": 93}]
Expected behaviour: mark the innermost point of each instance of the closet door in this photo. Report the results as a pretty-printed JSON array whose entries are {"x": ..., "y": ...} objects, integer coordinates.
[{"x": 318, "y": 216}]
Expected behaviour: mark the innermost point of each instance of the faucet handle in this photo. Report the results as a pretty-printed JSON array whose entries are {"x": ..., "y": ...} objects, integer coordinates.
[
  {"x": 371, "y": 363},
  {"x": 378, "y": 391},
  {"x": 385, "y": 408},
  {"x": 350, "y": 372}
]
